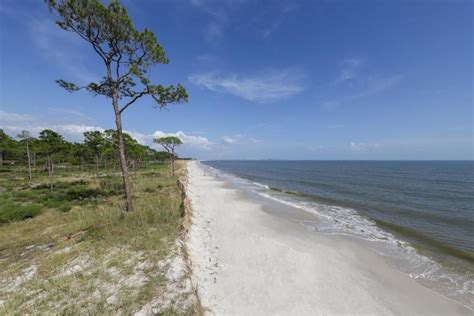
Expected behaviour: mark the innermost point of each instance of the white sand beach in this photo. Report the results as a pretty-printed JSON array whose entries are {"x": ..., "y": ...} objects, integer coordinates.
[{"x": 248, "y": 259}]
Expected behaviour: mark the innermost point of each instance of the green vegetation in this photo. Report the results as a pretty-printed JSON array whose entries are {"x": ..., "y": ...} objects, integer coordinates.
[
  {"x": 66, "y": 246},
  {"x": 10, "y": 211},
  {"x": 68, "y": 251},
  {"x": 127, "y": 55},
  {"x": 50, "y": 152},
  {"x": 169, "y": 143}
]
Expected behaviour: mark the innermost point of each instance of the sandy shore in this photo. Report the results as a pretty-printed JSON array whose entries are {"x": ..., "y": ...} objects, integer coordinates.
[{"x": 249, "y": 257}]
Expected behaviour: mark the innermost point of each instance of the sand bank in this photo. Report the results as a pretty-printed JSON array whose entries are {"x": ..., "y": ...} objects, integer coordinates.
[{"x": 249, "y": 257}]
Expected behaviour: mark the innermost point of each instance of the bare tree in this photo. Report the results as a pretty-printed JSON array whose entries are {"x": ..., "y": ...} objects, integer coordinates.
[
  {"x": 51, "y": 143},
  {"x": 26, "y": 136}
]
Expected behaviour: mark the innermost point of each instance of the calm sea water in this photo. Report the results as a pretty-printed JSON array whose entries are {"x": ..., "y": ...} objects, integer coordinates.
[{"x": 420, "y": 211}]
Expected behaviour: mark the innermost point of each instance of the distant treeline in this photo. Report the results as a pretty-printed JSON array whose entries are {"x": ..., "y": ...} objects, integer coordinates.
[{"x": 99, "y": 149}]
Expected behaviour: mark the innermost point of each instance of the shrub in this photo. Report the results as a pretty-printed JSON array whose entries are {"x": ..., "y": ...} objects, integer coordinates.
[
  {"x": 64, "y": 206},
  {"x": 13, "y": 212},
  {"x": 81, "y": 193}
]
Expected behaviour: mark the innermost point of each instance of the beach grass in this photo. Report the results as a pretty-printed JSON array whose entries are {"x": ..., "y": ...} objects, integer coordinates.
[{"x": 68, "y": 251}]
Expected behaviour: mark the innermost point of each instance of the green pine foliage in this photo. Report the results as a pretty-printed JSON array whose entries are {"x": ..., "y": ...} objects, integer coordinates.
[{"x": 97, "y": 155}]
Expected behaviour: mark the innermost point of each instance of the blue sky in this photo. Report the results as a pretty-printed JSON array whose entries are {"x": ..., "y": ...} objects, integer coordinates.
[{"x": 267, "y": 79}]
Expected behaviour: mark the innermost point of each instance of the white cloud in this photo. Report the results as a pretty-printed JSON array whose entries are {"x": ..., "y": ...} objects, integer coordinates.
[
  {"x": 222, "y": 17},
  {"x": 238, "y": 140},
  {"x": 363, "y": 147},
  {"x": 355, "y": 82},
  {"x": 195, "y": 141},
  {"x": 262, "y": 88},
  {"x": 68, "y": 111},
  {"x": 365, "y": 87},
  {"x": 316, "y": 148},
  {"x": 62, "y": 47},
  {"x": 71, "y": 132},
  {"x": 270, "y": 21},
  {"x": 228, "y": 140},
  {"x": 193, "y": 145},
  {"x": 349, "y": 68},
  {"x": 6, "y": 117},
  {"x": 214, "y": 31},
  {"x": 14, "y": 122},
  {"x": 75, "y": 130},
  {"x": 219, "y": 19},
  {"x": 377, "y": 84}
]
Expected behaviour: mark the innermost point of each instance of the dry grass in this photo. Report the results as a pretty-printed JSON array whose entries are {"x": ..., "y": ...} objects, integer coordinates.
[{"x": 88, "y": 260}]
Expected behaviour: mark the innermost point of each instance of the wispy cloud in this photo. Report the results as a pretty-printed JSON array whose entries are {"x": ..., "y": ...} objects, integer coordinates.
[
  {"x": 261, "y": 88},
  {"x": 222, "y": 12},
  {"x": 218, "y": 11},
  {"x": 268, "y": 23},
  {"x": 316, "y": 148},
  {"x": 228, "y": 140},
  {"x": 379, "y": 83},
  {"x": 363, "y": 147},
  {"x": 61, "y": 47},
  {"x": 349, "y": 68},
  {"x": 355, "y": 82},
  {"x": 239, "y": 140},
  {"x": 68, "y": 111},
  {"x": 7, "y": 118},
  {"x": 214, "y": 31},
  {"x": 207, "y": 60}
]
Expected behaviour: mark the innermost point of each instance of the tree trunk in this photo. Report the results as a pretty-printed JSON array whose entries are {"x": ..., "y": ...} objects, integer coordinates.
[
  {"x": 1, "y": 158},
  {"x": 123, "y": 162},
  {"x": 29, "y": 159},
  {"x": 172, "y": 163},
  {"x": 50, "y": 173},
  {"x": 97, "y": 166}
]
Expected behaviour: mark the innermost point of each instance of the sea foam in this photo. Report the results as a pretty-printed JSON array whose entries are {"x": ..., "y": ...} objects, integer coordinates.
[{"x": 331, "y": 219}]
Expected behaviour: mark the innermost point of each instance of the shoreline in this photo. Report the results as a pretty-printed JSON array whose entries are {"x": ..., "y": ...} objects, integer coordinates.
[{"x": 252, "y": 257}]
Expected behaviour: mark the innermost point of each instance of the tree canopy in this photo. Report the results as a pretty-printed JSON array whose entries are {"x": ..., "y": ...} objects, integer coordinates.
[
  {"x": 51, "y": 142},
  {"x": 127, "y": 55},
  {"x": 126, "y": 52},
  {"x": 104, "y": 144},
  {"x": 168, "y": 142},
  {"x": 6, "y": 146}
]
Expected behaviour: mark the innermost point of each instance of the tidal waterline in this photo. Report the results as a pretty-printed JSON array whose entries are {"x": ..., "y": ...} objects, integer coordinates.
[{"x": 422, "y": 211}]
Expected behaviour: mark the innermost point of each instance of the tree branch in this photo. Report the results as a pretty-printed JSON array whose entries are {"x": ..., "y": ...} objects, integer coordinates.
[
  {"x": 117, "y": 68},
  {"x": 89, "y": 39},
  {"x": 135, "y": 98},
  {"x": 137, "y": 62}
]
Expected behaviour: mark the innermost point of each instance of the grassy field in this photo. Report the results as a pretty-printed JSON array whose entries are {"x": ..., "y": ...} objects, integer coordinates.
[{"x": 68, "y": 251}]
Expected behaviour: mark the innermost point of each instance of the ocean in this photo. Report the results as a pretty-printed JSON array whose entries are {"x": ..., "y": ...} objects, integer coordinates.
[{"x": 420, "y": 213}]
